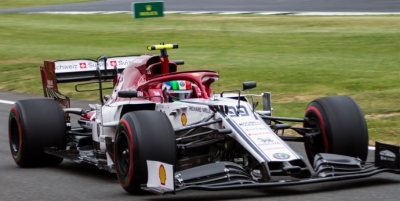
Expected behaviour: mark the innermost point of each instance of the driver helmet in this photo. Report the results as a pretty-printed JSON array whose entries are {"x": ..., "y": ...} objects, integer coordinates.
[{"x": 177, "y": 90}]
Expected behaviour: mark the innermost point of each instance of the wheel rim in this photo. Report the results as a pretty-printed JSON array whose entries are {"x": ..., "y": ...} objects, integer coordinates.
[
  {"x": 14, "y": 137},
  {"x": 123, "y": 155},
  {"x": 315, "y": 144}
]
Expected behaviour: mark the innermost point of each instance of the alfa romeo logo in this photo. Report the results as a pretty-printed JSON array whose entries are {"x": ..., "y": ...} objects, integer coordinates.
[{"x": 281, "y": 156}]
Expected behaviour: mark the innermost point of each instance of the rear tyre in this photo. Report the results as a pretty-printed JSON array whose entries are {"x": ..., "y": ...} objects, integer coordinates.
[
  {"x": 342, "y": 126},
  {"x": 33, "y": 125},
  {"x": 141, "y": 136}
]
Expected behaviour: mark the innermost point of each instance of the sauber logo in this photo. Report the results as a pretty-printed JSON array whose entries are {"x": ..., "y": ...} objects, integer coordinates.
[
  {"x": 113, "y": 63},
  {"x": 82, "y": 65}
]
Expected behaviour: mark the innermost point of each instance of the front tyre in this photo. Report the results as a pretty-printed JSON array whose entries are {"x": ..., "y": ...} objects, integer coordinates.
[
  {"x": 33, "y": 125},
  {"x": 141, "y": 136},
  {"x": 342, "y": 127}
]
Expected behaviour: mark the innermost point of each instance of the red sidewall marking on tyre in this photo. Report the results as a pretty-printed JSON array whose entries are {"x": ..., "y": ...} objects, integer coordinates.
[
  {"x": 127, "y": 180},
  {"x": 17, "y": 157},
  {"x": 322, "y": 124}
]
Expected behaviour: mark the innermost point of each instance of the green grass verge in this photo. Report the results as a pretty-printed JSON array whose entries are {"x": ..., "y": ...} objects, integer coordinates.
[
  {"x": 296, "y": 58},
  {"x": 5, "y": 4}
]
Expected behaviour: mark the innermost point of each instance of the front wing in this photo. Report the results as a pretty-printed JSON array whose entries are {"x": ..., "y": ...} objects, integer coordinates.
[{"x": 229, "y": 176}]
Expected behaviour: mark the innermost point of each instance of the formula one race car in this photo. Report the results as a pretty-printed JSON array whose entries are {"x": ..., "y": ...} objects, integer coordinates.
[{"x": 163, "y": 130}]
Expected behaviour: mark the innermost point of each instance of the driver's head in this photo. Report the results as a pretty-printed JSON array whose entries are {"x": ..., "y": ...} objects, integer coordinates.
[{"x": 176, "y": 90}]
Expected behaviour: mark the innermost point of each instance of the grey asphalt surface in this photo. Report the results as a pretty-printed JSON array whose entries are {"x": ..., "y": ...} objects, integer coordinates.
[
  {"x": 71, "y": 181},
  {"x": 234, "y": 5}
]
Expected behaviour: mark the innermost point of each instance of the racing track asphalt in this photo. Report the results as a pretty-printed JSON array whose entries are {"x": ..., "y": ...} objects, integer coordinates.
[
  {"x": 71, "y": 181},
  {"x": 233, "y": 5}
]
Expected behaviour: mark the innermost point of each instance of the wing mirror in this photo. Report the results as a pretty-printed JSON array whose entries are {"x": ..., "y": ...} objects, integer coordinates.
[
  {"x": 127, "y": 94},
  {"x": 249, "y": 85}
]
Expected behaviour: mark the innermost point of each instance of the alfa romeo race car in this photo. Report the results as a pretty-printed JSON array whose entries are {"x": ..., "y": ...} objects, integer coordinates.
[{"x": 163, "y": 130}]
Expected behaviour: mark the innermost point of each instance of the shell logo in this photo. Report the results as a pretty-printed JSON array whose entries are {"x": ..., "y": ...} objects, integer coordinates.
[
  {"x": 162, "y": 175},
  {"x": 184, "y": 119}
]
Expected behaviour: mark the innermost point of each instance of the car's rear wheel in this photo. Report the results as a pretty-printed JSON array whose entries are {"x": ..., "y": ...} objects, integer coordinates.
[
  {"x": 33, "y": 125},
  {"x": 141, "y": 136},
  {"x": 342, "y": 127}
]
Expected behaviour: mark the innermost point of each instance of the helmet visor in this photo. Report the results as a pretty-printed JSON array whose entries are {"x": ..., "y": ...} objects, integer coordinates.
[{"x": 179, "y": 95}]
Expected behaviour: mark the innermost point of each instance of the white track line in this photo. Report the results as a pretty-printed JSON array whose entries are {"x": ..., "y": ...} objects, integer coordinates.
[
  {"x": 227, "y": 13},
  {"x": 118, "y": 12},
  {"x": 235, "y": 13},
  {"x": 71, "y": 12},
  {"x": 274, "y": 13},
  {"x": 7, "y": 102},
  {"x": 346, "y": 13}
]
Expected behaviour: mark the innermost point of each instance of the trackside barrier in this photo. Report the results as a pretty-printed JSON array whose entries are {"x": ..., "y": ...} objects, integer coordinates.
[{"x": 147, "y": 9}]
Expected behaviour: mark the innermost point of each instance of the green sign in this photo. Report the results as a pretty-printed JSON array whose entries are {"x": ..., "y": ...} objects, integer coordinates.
[{"x": 148, "y": 9}]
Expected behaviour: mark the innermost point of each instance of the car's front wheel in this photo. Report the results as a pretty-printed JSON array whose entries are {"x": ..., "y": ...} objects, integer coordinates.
[
  {"x": 341, "y": 126},
  {"x": 142, "y": 136}
]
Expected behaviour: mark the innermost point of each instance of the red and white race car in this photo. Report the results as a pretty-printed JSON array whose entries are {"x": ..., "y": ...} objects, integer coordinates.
[{"x": 163, "y": 130}]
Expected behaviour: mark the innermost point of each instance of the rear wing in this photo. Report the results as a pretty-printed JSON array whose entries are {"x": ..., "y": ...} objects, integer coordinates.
[{"x": 76, "y": 70}]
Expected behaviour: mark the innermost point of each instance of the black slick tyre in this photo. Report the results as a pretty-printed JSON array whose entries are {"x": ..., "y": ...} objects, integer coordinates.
[
  {"x": 342, "y": 127},
  {"x": 33, "y": 125},
  {"x": 141, "y": 136}
]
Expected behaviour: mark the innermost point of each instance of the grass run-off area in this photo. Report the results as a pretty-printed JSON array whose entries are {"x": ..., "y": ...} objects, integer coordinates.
[
  {"x": 5, "y": 4},
  {"x": 296, "y": 58}
]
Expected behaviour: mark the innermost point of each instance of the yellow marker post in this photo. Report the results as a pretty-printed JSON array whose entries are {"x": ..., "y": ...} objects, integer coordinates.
[{"x": 161, "y": 47}]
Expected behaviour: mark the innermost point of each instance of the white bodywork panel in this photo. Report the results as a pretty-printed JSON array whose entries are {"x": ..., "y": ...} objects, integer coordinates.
[
  {"x": 109, "y": 115},
  {"x": 160, "y": 175},
  {"x": 248, "y": 128}
]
